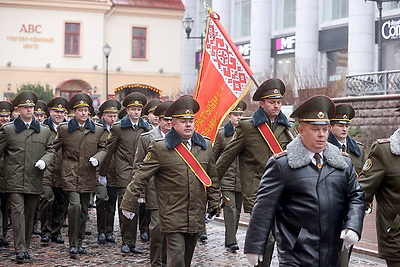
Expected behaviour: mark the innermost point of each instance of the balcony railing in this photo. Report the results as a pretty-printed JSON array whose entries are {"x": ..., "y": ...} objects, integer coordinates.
[{"x": 373, "y": 83}]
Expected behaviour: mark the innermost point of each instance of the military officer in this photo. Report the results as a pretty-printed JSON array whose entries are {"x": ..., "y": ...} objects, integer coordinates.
[
  {"x": 380, "y": 178},
  {"x": 251, "y": 145},
  {"x": 122, "y": 144},
  {"x": 83, "y": 148},
  {"x": 40, "y": 111},
  {"x": 158, "y": 248},
  {"x": 108, "y": 112},
  {"x": 148, "y": 112},
  {"x": 5, "y": 117},
  {"x": 53, "y": 200},
  {"x": 27, "y": 148},
  {"x": 310, "y": 192},
  {"x": 180, "y": 190},
  {"x": 230, "y": 183}
]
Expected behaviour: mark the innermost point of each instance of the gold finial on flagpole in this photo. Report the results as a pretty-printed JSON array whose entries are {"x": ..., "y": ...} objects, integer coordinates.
[{"x": 207, "y": 7}]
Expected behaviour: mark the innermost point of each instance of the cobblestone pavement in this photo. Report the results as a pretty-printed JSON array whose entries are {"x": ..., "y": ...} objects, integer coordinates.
[{"x": 210, "y": 253}]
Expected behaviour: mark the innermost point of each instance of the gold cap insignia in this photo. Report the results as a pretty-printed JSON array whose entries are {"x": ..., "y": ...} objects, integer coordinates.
[
  {"x": 60, "y": 106},
  {"x": 82, "y": 102},
  {"x": 39, "y": 109},
  {"x": 320, "y": 115},
  {"x": 28, "y": 101},
  {"x": 344, "y": 116},
  {"x": 276, "y": 91},
  {"x": 136, "y": 102},
  {"x": 239, "y": 109},
  {"x": 187, "y": 111},
  {"x": 3, "y": 110}
]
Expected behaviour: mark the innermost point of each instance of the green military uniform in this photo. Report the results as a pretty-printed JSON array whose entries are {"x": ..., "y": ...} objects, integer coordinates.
[
  {"x": 158, "y": 246},
  {"x": 79, "y": 144},
  {"x": 5, "y": 115},
  {"x": 24, "y": 146},
  {"x": 250, "y": 146},
  {"x": 230, "y": 183},
  {"x": 181, "y": 196},
  {"x": 53, "y": 201},
  {"x": 380, "y": 179},
  {"x": 121, "y": 144},
  {"x": 111, "y": 106}
]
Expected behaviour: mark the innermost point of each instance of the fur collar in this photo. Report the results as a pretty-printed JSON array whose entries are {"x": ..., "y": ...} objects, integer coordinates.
[
  {"x": 19, "y": 125},
  {"x": 228, "y": 129},
  {"x": 259, "y": 117},
  {"x": 298, "y": 155},
  {"x": 172, "y": 139},
  {"x": 125, "y": 122},
  {"x": 351, "y": 144},
  {"x": 49, "y": 122},
  {"x": 395, "y": 142},
  {"x": 74, "y": 125}
]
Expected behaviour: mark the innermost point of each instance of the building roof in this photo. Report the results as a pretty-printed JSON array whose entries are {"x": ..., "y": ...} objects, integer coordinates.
[{"x": 164, "y": 4}]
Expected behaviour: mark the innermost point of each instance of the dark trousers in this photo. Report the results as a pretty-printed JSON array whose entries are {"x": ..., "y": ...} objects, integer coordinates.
[
  {"x": 3, "y": 215},
  {"x": 53, "y": 203},
  {"x": 128, "y": 227},
  {"x": 110, "y": 209},
  {"x": 101, "y": 208},
  {"x": 158, "y": 242},
  {"x": 232, "y": 215},
  {"x": 144, "y": 218},
  {"x": 77, "y": 216},
  {"x": 23, "y": 208},
  {"x": 180, "y": 248}
]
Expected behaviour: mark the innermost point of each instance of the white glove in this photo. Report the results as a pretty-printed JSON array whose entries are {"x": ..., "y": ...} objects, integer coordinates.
[
  {"x": 94, "y": 161},
  {"x": 40, "y": 164},
  {"x": 102, "y": 180},
  {"x": 254, "y": 259},
  {"x": 349, "y": 237},
  {"x": 128, "y": 214},
  {"x": 141, "y": 200}
]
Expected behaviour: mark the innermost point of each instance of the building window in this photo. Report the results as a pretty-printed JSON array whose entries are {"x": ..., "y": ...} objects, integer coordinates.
[
  {"x": 336, "y": 9},
  {"x": 72, "y": 38},
  {"x": 286, "y": 14},
  {"x": 139, "y": 37},
  {"x": 390, "y": 5},
  {"x": 337, "y": 67},
  {"x": 243, "y": 18}
]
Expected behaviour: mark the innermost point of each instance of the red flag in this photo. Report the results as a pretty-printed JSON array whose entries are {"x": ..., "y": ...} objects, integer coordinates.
[{"x": 224, "y": 78}]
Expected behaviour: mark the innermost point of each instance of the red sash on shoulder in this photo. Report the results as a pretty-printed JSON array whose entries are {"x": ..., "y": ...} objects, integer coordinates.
[
  {"x": 270, "y": 138},
  {"x": 193, "y": 164}
]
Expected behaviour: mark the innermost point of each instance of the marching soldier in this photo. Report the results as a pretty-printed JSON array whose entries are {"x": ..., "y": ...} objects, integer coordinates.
[
  {"x": 254, "y": 142},
  {"x": 53, "y": 201},
  {"x": 230, "y": 183},
  {"x": 180, "y": 186},
  {"x": 27, "y": 148},
  {"x": 82, "y": 142},
  {"x": 158, "y": 246},
  {"x": 148, "y": 112},
  {"x": 121, "y": 144},
  {"x": 40, "y": 111},
  {"x": 5, "y": 117},
  {"x": 109, "y": 112}
]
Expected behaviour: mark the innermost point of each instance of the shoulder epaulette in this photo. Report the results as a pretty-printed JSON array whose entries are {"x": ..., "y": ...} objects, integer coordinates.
[
  {"x": 144, "y": 134},
  {"x": 158, "y": 139},
  {"x": 280, "y": 154},
  {"x": 359, "y": 143},
  {"x": 383, "y": 140},
  {"x": 7, "y": 123},
  {"x": 207, "y": 138},
  {"x": 98, "y": 124}
]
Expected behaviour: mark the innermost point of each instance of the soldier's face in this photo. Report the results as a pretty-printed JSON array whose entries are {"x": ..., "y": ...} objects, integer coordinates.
[
  {"x": 184, "y": 127},
  {"x": 165, "y": 125},
  {"x": 314, "y": 137},
  {"x": 234, "y": 118},
  {"x": 153, "y": 119},
  {"x": 271, "y": 107},
  {"x": 39, "y": 117},
  {"x": 4, "y": 119},
  {"x": 26, "y": 113},
  {"x": 110, "y": 118},
  {"x": 340, "y": 131},
  {"x": 57, "y": 116},
  {"x": 134, "y": 113},
  {"x": 81, "y": 114}
]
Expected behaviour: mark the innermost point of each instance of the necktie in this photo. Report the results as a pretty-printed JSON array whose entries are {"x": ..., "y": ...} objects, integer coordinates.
[
  {"x": 318, "y": 161},
  {"x": 27, "y": 126},
  {"x": 186, "y": 143},
  {"x": 343, "y": 148}
]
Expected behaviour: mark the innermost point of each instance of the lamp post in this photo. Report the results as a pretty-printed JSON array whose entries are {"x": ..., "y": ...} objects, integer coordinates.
[
  {"x": 380, "y": 50},
  {"x": 106, "y": 51},
  {"x": 188, "y": 25}
]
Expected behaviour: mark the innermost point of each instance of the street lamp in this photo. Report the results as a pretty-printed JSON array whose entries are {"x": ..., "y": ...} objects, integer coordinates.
[
  {"x": 380, "y": 50},
  {"x": 106, "y": 51},
  {"x": 188, "y": 25}
]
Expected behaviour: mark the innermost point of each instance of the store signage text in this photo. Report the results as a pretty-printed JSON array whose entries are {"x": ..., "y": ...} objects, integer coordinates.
[
  {"x": 390, "y": 29},
  {"x": 285, "y": 45},
  {"x": 244, "y": 50},
  {"x": 30, "y": 42},
  {"x": 30, "y": 28}
]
